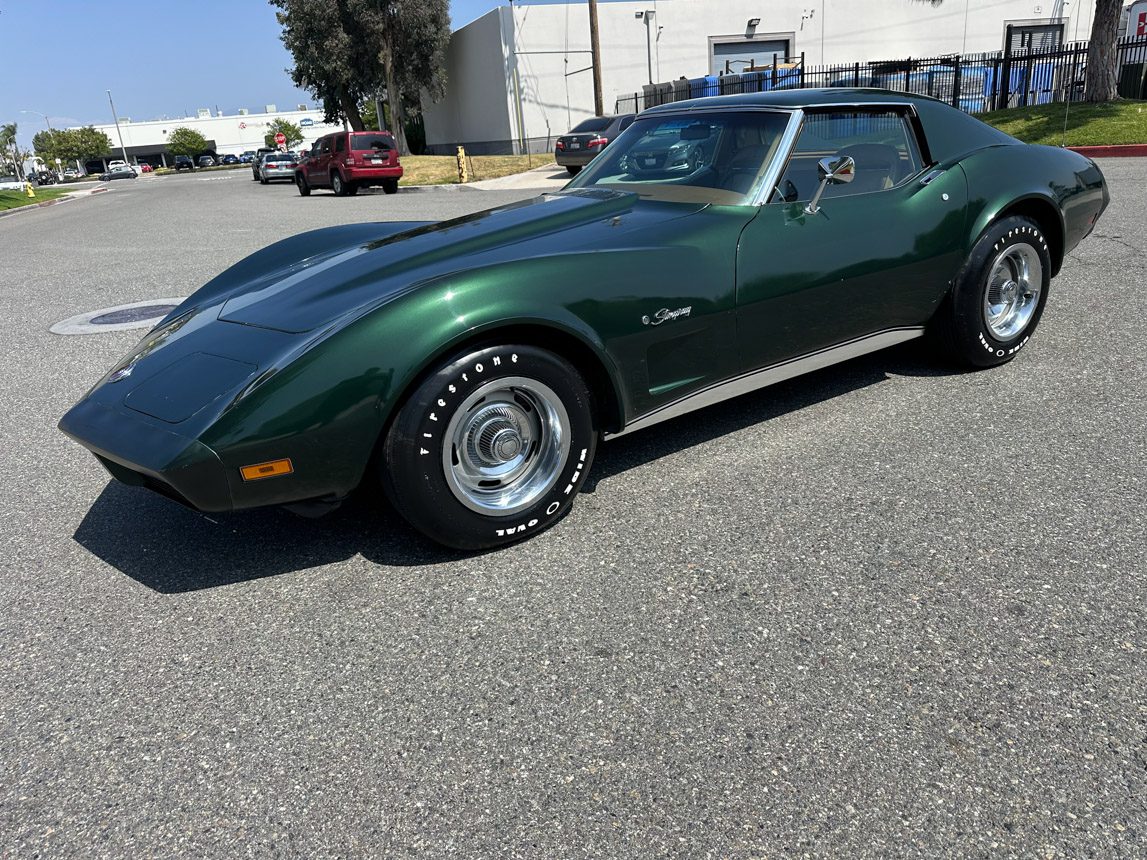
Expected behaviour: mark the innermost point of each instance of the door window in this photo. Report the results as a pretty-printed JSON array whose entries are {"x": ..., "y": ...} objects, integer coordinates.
[
  {"x": 340, "y": 144},
  {"x": 880, "y": 142}
]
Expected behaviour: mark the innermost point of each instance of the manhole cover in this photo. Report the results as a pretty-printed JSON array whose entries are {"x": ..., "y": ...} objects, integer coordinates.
[
  {"x": 144, "y": 313},
  {"x": 120, "y": 318}
]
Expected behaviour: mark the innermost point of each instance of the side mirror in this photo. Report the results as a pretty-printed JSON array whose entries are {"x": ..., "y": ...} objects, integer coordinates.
[{"x": 836, "y": 170}]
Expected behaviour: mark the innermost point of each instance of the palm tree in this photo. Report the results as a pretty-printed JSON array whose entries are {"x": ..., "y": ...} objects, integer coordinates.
[{"x": 8, "y": 146}]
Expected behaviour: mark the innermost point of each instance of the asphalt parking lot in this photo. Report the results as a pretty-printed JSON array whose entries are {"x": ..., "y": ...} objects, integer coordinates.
[{"x": 884, "y": 610}]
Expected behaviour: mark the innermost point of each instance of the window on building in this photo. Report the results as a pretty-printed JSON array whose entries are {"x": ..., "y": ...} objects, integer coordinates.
[{"x": 1033, "y": 37}]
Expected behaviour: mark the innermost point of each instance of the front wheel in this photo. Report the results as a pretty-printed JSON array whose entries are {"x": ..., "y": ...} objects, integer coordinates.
[
  {"x": 491, "y": 448},
  {"x": 999, "y": 296},
  {"x": 303, "y": 185}
]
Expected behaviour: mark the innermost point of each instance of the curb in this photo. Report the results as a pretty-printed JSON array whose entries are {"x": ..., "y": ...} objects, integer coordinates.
[
  {"x": 72, "y": 195},
  {"x": 1132, "y": 150}
]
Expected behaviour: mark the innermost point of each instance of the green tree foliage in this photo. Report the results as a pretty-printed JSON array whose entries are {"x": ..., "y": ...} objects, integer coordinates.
[
  {"x": 347, "y": 51},
  {"x": 9, "y": 152},
  {"x": 186, "y": 141},
  {"x": 90, "y": 143},
  {"x": 72, "y": 144},
  {"x": 292, "y": 132}
]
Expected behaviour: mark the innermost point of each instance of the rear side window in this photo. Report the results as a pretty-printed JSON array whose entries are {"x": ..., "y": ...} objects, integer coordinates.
[
  {"x": 367, "y": 142},
  {"x": 340, "y": 144},
  {"x": 880, "y": 142}
]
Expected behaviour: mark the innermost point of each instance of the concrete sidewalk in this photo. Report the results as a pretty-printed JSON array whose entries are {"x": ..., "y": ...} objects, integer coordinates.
[{"x": 548, "y": 177}]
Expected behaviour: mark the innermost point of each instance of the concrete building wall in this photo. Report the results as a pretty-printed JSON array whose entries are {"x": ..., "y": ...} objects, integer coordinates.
[
  {"x": 548, "y": 46},
  {"x": 477, "y": 111}
]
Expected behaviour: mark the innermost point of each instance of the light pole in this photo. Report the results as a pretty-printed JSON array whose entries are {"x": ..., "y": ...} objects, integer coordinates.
[
  {"x": 646, "y": 16},
  {"x": 44, "y": 116},
  {"x": 122, "y": 148}
]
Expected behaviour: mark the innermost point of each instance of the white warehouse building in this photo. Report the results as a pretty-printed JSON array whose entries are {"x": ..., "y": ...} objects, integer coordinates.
[
  {"x": 520, "y": 74},
  {"x": 233, "y": 134}
]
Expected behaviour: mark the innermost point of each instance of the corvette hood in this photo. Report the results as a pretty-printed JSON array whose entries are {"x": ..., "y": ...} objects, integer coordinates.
[{"x": 347, "y": 278}]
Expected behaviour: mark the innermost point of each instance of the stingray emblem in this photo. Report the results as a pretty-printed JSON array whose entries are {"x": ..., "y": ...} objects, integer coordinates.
[{"x": 665, "y": 315}]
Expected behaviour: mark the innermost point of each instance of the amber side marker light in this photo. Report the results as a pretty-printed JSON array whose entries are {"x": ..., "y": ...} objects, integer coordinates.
[{"x": 266, "y": 470}]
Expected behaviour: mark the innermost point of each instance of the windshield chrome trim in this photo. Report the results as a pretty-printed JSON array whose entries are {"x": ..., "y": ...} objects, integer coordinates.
[{"x": 773, "y": 171}]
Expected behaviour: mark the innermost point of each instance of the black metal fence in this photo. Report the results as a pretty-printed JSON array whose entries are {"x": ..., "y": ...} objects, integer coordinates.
[{"x": 973, "y": 82}]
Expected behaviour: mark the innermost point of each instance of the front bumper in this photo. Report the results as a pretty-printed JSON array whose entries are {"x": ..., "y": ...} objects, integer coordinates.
[{"x": 137, "y": 452}]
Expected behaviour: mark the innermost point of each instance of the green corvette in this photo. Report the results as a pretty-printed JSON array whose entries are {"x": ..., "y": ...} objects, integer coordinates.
[{"x": 716, "y": 247}]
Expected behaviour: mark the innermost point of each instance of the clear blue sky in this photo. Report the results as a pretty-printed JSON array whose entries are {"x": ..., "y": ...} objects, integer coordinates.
[{"x": 59, "y": 57}]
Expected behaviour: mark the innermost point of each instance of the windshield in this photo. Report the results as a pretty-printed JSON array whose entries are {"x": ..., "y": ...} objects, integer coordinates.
[
  {"x": 694, "y": 157},
  {"x": 597, "y": 123},
  {"x": 364, "y": 142}
]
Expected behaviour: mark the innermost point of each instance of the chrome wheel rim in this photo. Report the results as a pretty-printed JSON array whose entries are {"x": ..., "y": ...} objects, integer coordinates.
[
  {"x": 506, "y": 445},
  {"x": 1015, "y": 281}
]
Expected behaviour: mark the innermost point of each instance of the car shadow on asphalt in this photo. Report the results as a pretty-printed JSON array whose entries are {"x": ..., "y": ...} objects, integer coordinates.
[
  {"x": 696, "y": 428},
  {"x": 172, "y": 549}
]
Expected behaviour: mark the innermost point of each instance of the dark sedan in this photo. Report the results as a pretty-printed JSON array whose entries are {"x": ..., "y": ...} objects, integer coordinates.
[
  {"x": 582, "y": 144},
  {"x": 118, "y": 173}
]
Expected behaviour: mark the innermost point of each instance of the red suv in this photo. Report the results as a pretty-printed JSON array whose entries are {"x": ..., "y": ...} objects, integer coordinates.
[{"x": 349, "y": 160}]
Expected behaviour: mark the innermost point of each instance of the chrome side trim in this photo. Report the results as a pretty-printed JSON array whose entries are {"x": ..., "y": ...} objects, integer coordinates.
[{"x": 771, "y": 375}]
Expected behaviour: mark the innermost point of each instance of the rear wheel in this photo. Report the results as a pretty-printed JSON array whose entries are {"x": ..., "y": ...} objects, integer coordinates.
[
  {"x": 337, "y": 184},
  {"x": 491, "y": 448},
  {"x": 351, "y": 189},
  {"x": 303, "y": 186},
  {"x": 998, "y": 297},
  {"x": 573, "y": 169},
  {"x": 390, "y": 186},
  {"x": 262, "y": 180}
]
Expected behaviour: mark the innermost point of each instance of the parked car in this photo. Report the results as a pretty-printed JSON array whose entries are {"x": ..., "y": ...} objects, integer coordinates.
[
  {"x": 112, "y": 165},
  {"x": 206, "y": 161},
  {"x": 474, "y": 364},
  {"x": 276, "y": 166},
  {"x": 229, "y": 159},
  {"x": 11, "y": 182},
  {"x": 184, "y": 162},
  {"x": 145, "y": 168},
  {"x": 72, "y": 173},
  {"x": 585, "y": 141},
  {"x": 349, "y": 160},
  {"x": 42, "y": 177},
  {"x": 121, "y": 172},
  {"x": 259, "y": 153},
  {"x": 247, "y": 157}
]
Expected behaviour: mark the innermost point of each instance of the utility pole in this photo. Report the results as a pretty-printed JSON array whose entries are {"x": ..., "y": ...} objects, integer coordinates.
[
  {"x": 119, "y": 133},
  {"x": 595, "y": 47}
]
